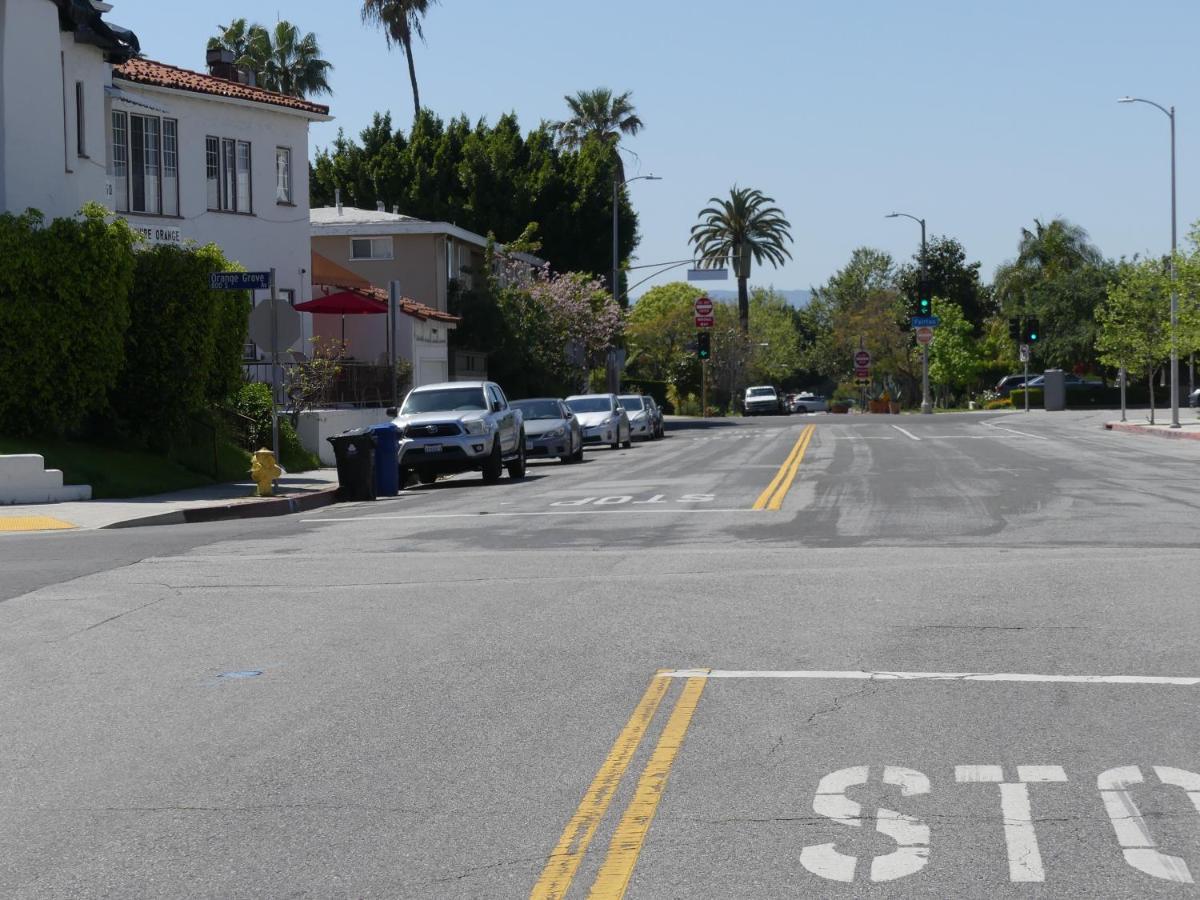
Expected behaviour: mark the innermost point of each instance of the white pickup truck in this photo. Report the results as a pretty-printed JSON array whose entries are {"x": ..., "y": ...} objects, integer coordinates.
[{"x": 456, "y": 427}]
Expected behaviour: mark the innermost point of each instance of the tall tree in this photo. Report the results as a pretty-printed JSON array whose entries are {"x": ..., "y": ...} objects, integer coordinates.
[
  {"x": 282, "y": 59},
  {"x": 951, "y": 277},
  {"x": 1060, "y": 277},
  {"x": 742, "y": 229},
  {"x": 401, "y": 21},
  {"x": 598, "y": 114},
  {"x": 1134, "y": 321}
]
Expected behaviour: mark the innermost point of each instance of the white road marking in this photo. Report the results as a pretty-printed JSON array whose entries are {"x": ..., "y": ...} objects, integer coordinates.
[
  {"x": 1039, "y": 437},
  {"x": 1137, "y": 844},
  {"x": 1020, "y": 838},
  {"x": 932, "y": 676},
  {"x": 679, "y": 510},
  {"x": 906, "y": 432},
  {"x": 910, "y": 833}
]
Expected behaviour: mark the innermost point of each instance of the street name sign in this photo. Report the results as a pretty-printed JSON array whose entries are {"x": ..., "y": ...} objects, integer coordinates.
[
  {"x": 862, "y": 359},
  {"x": 239, "y": 281},
  {"x": 705, "y": 321},
  {"x": 286, "y": 331},
  {"x": 925, "y": 321},
  {"x": 707, "y": 274},
  {"x": 925, "y": 334}
]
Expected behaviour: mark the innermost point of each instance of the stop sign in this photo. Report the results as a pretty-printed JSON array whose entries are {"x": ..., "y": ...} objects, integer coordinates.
[
  {"x": 703, "y": 306},
  {"x": 862, "y": 359}
]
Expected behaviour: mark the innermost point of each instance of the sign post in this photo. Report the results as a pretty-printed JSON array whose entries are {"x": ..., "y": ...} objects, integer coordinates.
[
  {"x": 273, "y": 324},
  {"x": 275, "y": 393},
  {"x": 703, "y": 309}
]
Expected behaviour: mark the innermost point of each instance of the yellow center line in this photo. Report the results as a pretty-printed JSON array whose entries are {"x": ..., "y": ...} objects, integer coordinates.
[
  {"x": 568, "y": 853},
  {"x": 790, "y": 465},
  {"x": 786, "y": 485},
  {"x": 617, "y": 868}
]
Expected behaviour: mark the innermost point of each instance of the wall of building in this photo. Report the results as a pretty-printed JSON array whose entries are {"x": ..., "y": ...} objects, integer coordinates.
[
  {"x": 418, "y": 263},
  {"x": 40, "y": 166}
]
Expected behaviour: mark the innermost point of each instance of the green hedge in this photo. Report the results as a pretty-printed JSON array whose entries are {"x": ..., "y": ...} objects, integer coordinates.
[
  {"x": 64, "y": 309},
  {"x": 655, "y": 389},
  {"x": 1088, "y": 398},
  {"x": 184, "y": 345}
]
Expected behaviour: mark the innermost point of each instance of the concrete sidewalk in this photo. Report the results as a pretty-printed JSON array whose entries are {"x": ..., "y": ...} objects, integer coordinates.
[
  {"x": 1189, "y": 425},
  {"x": 293, "y": 493}
]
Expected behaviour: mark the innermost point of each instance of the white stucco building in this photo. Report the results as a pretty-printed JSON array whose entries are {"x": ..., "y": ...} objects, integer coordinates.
[{"x": 182, "y": 155}]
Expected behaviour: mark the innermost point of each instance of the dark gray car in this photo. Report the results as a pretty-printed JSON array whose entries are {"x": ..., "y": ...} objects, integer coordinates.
[{"x": 550, "y": 429}]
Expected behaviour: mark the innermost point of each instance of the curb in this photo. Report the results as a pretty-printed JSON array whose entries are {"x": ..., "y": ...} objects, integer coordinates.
[
  {"x": 1157, "y": 432},
  {"x": 276, "y": 506}
]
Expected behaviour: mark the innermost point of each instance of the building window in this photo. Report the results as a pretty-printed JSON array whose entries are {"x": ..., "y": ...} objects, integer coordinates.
[
  {"x": 283, "y": 175},
  {"x": 371, "y": 248},
  {"x": 80, "y": 129},
  {"x": 227, "y": 164},
  {"x": 145, "y": 164},
  {"x": 120, "y": 161}
]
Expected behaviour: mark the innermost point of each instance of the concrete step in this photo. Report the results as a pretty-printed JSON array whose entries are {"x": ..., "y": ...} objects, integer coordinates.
[{"x": 24, "y": 479}]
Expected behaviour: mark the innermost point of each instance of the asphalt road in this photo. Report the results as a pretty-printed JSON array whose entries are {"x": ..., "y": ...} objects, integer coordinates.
[{"x": 951, "y": 656}]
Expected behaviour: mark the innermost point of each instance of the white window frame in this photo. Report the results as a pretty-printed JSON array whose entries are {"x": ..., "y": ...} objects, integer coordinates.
[
  {"x": 231, "y": 198},
  {"x": 374, "y": 243},
  {"x": 283, "y": 177},
  {"x": 80, "y": 121},
  {"x": 122, "y": 146}
]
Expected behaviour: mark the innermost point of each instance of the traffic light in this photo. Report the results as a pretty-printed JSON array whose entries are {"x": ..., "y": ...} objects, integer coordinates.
[
  {"x": 703, "y": 345},
  {"x": 924, "y": 298},
  {"x": 1014, "y": 329},
  {"x": 1031, "y": 333}
]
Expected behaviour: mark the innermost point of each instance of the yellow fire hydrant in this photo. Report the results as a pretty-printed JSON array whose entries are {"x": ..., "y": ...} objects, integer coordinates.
[{"x": 264, "y": 470}]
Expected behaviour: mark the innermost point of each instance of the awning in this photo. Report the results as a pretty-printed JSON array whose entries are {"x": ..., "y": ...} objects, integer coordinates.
[
  {"x": 343, "y": 303},
  {"x": 111, "y": 90}
]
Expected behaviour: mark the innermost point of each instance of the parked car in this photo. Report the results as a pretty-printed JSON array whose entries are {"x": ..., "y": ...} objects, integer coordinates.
[
  {"x": 641, "y": 423},
  {"x": 808, "y": 403},
  {"x": 459, "y": 427},
  {"x": 656, "y": 414},
  {"x": 602, "y": 419},
  {"x": 1194, "y": 398},
  {"x": 1070, "y": 380},
  {"x": 1009, "y": 383},
  {"x": 762, "y": 400},
  {"x": 551, "y": 429}
]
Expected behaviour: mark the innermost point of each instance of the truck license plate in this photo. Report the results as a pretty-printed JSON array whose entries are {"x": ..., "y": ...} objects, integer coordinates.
[{"x": 433, "y": 448}]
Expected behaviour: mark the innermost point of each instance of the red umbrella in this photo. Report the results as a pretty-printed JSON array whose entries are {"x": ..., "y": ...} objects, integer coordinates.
[{"x": 343, "y": 303}]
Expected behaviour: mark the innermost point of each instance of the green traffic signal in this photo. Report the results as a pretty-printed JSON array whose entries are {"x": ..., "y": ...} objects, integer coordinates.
[
  {"x": 703, "y": 345},
  {"x": 923, "y": 306}
]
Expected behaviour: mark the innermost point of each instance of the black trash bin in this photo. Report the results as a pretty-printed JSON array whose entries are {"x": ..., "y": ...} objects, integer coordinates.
[{"x": 355, "y": 454}]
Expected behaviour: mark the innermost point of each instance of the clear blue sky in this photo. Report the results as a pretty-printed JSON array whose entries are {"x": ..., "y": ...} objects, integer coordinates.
[{"x": 979, "y": 116}]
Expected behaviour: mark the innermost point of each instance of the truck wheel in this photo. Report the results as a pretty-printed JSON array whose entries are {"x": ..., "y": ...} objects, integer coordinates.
[
  {"x": 493, "y": 466},
  {"x": 402, "y": 477},
  {"x": 427, "y": 477},
  {"x": 516, "y": 468}
]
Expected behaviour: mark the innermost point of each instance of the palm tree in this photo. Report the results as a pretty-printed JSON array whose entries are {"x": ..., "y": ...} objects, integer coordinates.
[
  {"x": 742, "y": 229},
  {"x": 282, "y": 60},
  {"x": 599, "y": 114},
  {"x": 400, "y": 21},
  {"x": 289, "y": 62}
]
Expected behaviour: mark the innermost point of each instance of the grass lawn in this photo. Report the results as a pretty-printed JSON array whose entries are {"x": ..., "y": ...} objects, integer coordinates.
[{"x": 114, "y": 472}]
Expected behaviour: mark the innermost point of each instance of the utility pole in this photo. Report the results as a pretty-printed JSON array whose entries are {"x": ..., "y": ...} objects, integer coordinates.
[{"x": 276, "y": 377}]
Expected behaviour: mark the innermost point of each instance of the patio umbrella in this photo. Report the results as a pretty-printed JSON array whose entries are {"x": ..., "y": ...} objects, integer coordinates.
[{"x": 344, "y": 303}]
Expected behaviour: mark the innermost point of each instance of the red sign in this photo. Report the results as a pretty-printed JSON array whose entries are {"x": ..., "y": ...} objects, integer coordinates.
[
  {"x": 704, "y": 321},
  {"x": 703, "y": 308},
  {"x": 862, "y": 359},
  {"x": 862, "y": 373},
  {"x": 924, "y": 335}
]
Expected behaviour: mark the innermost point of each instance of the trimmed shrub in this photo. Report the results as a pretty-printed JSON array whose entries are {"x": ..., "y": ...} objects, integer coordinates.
[
  {"x": 184, "y": 343},
  {"x": 655, "y": 389},
  {"x": 1017, "y": 396},
  {"x": 64, "y": 308},
  {"x": 999, "y": 403}
]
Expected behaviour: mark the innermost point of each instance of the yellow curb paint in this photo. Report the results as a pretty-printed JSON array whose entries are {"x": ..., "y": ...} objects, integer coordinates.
[
  {"x": 617, "y": 868},
  {"x": 33, "y": 523},
  {"x": 776, "y": 502},
  {"x": 787, "y": 472},
  {"x": 568, "y": 853}
]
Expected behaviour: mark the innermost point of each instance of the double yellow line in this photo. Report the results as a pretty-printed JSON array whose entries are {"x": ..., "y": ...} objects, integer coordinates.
[
  {"x": 772, "y": 497},
  {"x": 617, "y": 868}
]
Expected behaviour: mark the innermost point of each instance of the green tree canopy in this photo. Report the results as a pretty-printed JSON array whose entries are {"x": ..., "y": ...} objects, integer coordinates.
[
  {"x": 281, "y": 58},
  {"x": 950, "y": 276}
]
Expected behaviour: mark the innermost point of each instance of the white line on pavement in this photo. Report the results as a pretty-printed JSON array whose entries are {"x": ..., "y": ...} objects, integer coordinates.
[
  {"x": 624, "y": 510},
  {"x": 1039, "y": 437},
  {"x": 906, "y": 432},
  {"x": 932, "y": 676}
]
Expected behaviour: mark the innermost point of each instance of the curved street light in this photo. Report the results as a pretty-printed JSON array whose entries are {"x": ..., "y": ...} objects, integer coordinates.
[
  {"x": 1170, "y": 114},
  {"x": 926, "y": 405}
]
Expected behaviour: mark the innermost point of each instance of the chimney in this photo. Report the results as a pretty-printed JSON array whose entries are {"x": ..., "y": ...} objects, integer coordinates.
[
  {"x": 337, "y": 199},
  {"x": 379, "y": 207},
  {"x": 395, "y": 209},
  {"x": 220, "y": 64}
]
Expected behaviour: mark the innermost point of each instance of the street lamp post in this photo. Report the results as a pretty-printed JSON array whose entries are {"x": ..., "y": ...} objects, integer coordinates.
[
  {"x": 1170, "y": 114},
  {"x": 615, "y": 284},
  {"x": 926, "y": 405}
]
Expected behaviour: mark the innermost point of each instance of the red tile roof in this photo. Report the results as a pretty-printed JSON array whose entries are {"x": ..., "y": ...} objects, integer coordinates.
[
  {"x": 147, "y": 71},
  {"x": 409, "y": 306}
]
